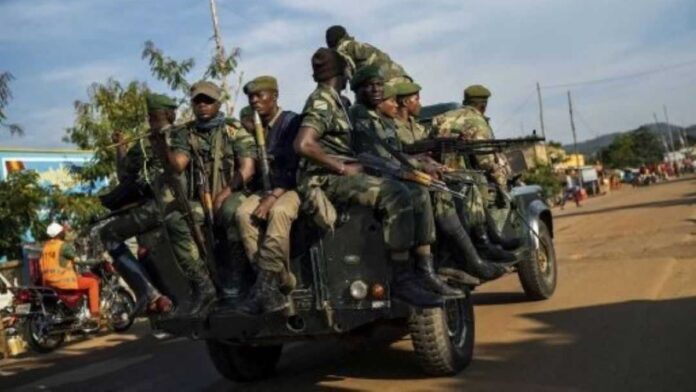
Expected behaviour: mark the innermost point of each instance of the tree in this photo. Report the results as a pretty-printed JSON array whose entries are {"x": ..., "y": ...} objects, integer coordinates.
[
  {"x": 111, "y": 106},
  {"x": 5, "y": 97},
  {"x": 633, "y": 149},
  {"x": 545, "y": 177},
  {"x": 20, "y": 200}
]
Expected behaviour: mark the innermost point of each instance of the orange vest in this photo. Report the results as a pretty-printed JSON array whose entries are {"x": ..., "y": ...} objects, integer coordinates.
[{"x": 52, "y": 273}]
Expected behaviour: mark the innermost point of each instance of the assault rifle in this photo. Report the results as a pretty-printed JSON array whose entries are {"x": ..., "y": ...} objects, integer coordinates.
[
  {"x": 206, "y": 199},
  {"x": 394, "y": 169},
  {"x": 443, "y": 145}
]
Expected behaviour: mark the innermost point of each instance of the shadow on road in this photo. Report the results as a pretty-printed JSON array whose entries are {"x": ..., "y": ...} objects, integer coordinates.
[
  {"x": 661, "y": 203},
  {"x": 636, "y": 345}
]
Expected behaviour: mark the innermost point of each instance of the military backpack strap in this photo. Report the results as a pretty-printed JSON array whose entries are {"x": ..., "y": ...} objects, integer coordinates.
[{"x": 218, "y": 153}]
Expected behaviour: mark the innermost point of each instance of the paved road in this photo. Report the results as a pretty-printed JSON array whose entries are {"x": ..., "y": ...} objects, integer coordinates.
[{"x": 622, "y": 319}]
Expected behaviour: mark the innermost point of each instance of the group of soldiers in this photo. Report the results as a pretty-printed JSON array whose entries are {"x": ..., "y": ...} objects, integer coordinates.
[{"x": 311, "y": 168}]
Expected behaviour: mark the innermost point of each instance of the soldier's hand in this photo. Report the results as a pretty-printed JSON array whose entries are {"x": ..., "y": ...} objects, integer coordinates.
[
  {"x": 261, "y": 211},
  {"x": 351, "y": 169},
  {"x": 117, "y": 136},
  {"x": 220, "y": 199}
]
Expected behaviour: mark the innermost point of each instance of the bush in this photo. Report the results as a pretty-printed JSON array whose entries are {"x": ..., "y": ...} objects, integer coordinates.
[{"x": 546, "y": 178}]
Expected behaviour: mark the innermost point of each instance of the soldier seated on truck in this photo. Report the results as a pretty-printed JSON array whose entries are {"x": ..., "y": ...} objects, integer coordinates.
[{"x": 325, "y": 131}]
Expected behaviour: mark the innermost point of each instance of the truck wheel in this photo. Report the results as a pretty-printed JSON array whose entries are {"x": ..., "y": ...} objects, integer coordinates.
[
  {"x": 243, "y": 363},
  {"x": 443, "y": 338},
  {"x": 538, "y": 275}
]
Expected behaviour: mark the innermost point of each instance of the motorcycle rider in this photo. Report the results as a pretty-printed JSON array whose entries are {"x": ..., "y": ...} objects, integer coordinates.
[{"x": 57, "y": 265}]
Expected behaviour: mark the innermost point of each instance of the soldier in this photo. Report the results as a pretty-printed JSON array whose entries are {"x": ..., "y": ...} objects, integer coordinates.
[
  {"x": 470, "y": 123},
  {"x": 325, "y": 131},
  {"x": 359, "y": 54},
  {"x": 227, "y": 152},
  {"x": 276, "y": 208},
  {"x": 370, "y": 127},
  {"x": 139, "y": 165}
]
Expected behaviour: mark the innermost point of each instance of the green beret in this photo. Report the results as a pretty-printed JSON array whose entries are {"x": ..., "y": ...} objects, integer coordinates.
[
  {"x": 476, "y": 92},
  {"x": 159, "y": 102},
  {"x": 407, "y": 88},
  {"x": 246, "y": 111},
  {"x": 389, "y": 92},
  {"x": 365, "y": 74},
  {"x": 260, "y": 84}
]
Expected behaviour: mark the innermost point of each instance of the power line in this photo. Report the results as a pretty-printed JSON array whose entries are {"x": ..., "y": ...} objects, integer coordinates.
[
  {"x": 518, "y": 109},
  {"x": 621, "y": 77}
]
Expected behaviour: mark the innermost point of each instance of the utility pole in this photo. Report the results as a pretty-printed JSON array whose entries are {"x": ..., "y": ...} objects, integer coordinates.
[
  {"x": 575, "y": 138},
  {"x": 220, "y": 54},
  {"x": 541, "y": 122},
  {"x": 662, "y": 136},
  {"x": 669, "y": 127}
]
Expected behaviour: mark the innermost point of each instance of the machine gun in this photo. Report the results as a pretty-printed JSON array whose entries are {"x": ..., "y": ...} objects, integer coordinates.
[
  {"x": 206, "y": 198},
  {"x": 443, "y": 145},
  {"x": 391, "y": 168}
]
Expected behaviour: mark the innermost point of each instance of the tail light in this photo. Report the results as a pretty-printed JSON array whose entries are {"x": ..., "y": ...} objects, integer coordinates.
[
  {"x": 108, "y": 267},
  {"x": 23, "y": 296},
  {"x": 142, "y": 252}
]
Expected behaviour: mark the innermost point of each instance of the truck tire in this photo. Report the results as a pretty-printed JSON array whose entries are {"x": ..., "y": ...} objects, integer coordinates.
[
  {"x": 243, "y": 363},
  {"x": 538, "y": 275},
  {"x": 443, "y": 338}
]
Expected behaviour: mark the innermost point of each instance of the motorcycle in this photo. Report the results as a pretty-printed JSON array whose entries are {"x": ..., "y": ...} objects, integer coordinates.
[{"x": 46, "y": 315}]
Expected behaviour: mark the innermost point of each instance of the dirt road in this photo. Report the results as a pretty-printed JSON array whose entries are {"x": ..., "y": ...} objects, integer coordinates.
[{"x": 623, "y": 318}]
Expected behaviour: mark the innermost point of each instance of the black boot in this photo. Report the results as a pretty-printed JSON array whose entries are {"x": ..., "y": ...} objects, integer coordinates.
[
  {"x": 265, "y": 295},
  {"x": 473, "y": 264},
  {"x": 425, "y": 269},
  {"x": 135, "y": 276},
  {"x": 234, "y": 276},
  {"x": 487, "y": 249},
  {"x": 507, "y": 243},
  {"x": 409, "y": 288},
  {"x": 202, "y": 292}
]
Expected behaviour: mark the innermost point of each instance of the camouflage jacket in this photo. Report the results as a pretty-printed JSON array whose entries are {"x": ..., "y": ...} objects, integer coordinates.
[
  {"x": 218, "y": 148},
  {"x": 324, "y": 113},
  {"x": 471, "y": 125},
  {"x": 359, "y": 54},
  {"x": 410, "y": 131}
]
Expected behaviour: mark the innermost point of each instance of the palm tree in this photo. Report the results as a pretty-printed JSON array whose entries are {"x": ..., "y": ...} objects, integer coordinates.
[{"x": 5, "y": 97}]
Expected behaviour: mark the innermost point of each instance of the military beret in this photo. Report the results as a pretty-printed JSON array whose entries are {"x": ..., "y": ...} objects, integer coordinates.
[
  {"x": 246, "y": 111},
  {"x": 407, "y": 88},
  {"x": 159, "y": 102},
  {"x": 389, "y": 92},
  {"x": 476, "y": 92},
  {"x": 365, "y": 74},
  {"x": 206, "y": 88},
  {"x": 260, "y": 84}
]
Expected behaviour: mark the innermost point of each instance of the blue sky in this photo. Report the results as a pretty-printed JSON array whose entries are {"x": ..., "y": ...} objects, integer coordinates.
[{"x": 57, "y": 48}]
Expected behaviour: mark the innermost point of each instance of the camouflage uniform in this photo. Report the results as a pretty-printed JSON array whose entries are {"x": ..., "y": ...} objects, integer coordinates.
[
  {"x": 227, "y": 142},
  {"x": 359, "y": 54},
  {"x": 323, "y": 113},
  {"x": 369, "y": 125},
  {"x": 410, "y": 131}
]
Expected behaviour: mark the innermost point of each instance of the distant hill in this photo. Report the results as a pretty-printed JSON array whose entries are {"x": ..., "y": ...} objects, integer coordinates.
[{"x": 589, "y": 147}]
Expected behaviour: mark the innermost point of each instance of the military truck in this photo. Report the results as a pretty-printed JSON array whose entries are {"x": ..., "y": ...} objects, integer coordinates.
[{"x": 343, "y": 287}]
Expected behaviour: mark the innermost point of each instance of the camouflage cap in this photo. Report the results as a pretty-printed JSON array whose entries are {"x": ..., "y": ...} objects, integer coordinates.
[
  {"x": 364, "y": 74},
  {"x": 261, "y": 83},
  {"x": 476, "y": 92},
  {"x": 156, "y": 102},
  {"x": 209, "y": 89},
  {"x": 407, "y": 88},
  {"x": 389, "y": 92},
  {"x": 246, "y": 111}
]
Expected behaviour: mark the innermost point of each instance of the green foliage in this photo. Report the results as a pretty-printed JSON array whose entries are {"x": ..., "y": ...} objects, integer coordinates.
[
  {"x": 632, "y": 149},
  {"x": 544, "y": 176},
  {"x": 5, "y": 97},
  {"x": 111, "y": 106},
  {"x": 20, "y": 199},
  {"x": 166, "y": 69}
]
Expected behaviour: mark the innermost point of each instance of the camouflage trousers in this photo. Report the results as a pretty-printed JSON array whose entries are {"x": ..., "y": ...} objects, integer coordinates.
[
  {"x": 271, "y": 251},
  {"x": 405, "y": 209},
  {"x": 472, "y": 207},
  {"x": 131, "y": 223}
]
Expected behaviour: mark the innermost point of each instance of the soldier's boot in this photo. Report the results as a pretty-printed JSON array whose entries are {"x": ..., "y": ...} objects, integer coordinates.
[
  {"x": 409, "y": 288},
  {"x": 507, "y": 243},
  {"x": 234, "y": 276},
  {"x": 202, "y": 292},
  {"x": 473, "y": 263},
  {"x": 425, "y": 268},
  {"x": 265, "y": 296},
  {"x": 487, "y": 249},
  {"x": 135, "y": 276}
]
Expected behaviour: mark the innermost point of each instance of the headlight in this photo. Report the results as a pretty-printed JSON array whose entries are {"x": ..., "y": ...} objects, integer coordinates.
[{"x": 358, "y": 290}]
